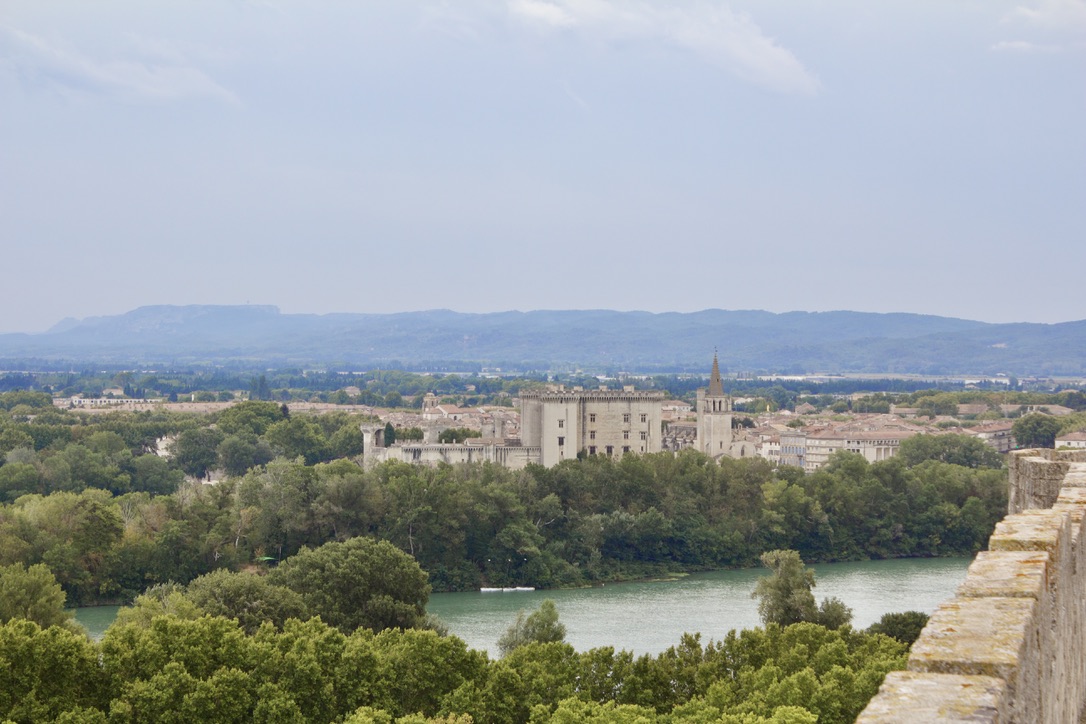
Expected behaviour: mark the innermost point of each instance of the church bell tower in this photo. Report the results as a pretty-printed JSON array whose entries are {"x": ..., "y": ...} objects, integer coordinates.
[{"x": 714, "y": 416}]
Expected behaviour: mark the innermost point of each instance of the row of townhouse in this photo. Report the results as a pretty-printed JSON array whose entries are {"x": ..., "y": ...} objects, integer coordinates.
[{"x": 876, "y": 438}]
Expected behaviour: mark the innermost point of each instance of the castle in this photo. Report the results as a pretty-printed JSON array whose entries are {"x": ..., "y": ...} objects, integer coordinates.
[{"x": 558, "y": 424}]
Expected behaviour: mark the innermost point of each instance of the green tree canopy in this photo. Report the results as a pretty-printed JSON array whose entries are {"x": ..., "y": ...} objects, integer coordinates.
[
  {"x": 248, "y": 597},
  {"x": 298, "y": 437},
  {"x": 32, "y": 594},
  {"x": 358, "y": 583},
  {"x": 784, "y": 596},
  {"x": 48, "y": 675},
  {"x": 251, "y": 416},
  {"x": 904, "y": 626},
  {"x": 540, "y": 626},
  {"x": 196, "y": 451},
  {"x": 1036, "y": 430},
  {"x": 963, "y": 450},
  {"x": 457, "y": 434}
]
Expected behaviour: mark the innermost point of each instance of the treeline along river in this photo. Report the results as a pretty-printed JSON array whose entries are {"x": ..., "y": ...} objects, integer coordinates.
[{"x": 84, "y": 496}]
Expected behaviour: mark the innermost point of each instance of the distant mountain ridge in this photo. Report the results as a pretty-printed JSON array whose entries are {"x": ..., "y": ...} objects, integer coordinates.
[{"x": 746, "y": 340}]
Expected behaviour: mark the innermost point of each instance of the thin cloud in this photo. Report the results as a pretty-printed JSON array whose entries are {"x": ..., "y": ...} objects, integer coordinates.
[
  {"x": 1024, "y": 46},
  {"x": 45, "y": 63},
  {"x": 544, "y": 13},
  {"x": 1056, "y": 25},
  {"x": 1061, "y": 15},
  {"x": 715, "y": 33}
]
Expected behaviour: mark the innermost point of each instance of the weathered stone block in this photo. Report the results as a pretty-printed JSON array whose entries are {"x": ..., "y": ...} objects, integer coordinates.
[
  {"x": 1007, "y": 574},
  {"x": 1076, "y": 476},
  {"x": 1032, "y": 530},
  {"x": 1035, "y": 479},
  {"x": 986, "y": 637},
  {"x": 909, "y": 697},
  {"x": 978, "y": 636}
]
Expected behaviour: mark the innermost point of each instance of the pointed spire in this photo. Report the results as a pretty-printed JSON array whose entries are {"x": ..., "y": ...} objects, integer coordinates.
[{"x": 716, "y": 387}]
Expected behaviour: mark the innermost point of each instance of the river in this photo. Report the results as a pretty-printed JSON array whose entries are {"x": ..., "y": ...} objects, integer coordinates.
[{"x": 648, "y": 617}]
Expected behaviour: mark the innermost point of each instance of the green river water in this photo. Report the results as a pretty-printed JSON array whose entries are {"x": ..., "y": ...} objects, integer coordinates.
[{"x": 648, "y": 617}]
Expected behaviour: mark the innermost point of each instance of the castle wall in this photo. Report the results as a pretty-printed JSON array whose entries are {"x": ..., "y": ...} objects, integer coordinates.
[
  {"x": 563, "y": 423},
  {"x": 1009, "y": 646},
  {"x": 514, "y": 457}
]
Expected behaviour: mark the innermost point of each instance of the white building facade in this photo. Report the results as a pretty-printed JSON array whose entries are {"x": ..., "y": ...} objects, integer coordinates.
[{"x": 563, "y": 423}]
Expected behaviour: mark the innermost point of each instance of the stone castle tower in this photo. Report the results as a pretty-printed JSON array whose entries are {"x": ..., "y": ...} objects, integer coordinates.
[{"x": 714, "y": 416}]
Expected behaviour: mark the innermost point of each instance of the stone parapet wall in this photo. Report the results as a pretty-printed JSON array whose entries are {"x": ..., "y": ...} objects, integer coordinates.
[
  {"x": 1037, "y": 477},
  {"x": 1009, "y": 647}
]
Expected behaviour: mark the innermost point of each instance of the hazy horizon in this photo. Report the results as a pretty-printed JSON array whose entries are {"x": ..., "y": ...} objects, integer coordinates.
[{"x": 73, "y": 318}]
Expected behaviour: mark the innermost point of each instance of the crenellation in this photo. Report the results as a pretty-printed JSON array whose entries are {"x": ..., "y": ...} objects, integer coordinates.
[
  {"x": 1017, "y": 618},
  {"x": 985, "y": 637},
  {"x": 1006, "y": 574},
  {"x": 907, "y": 696}
]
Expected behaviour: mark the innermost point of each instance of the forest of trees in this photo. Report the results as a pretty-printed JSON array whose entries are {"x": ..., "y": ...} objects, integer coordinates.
[
  {"x": 83, "y": 495},
  {"x": 207, "y": 669},
  {"x": 247, "y": 591},
  {"x": 336, "y": 635}
]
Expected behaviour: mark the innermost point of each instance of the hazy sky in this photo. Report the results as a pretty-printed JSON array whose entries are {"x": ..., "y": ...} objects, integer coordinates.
[{"x": 335, "y": 156}]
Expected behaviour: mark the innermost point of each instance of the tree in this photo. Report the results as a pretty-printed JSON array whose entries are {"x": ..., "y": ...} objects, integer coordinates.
[
  {"x": 32, "y": 594},
  {"x": 12, "y": 438},
  {"x": 1036, "y": 430},
  {"x": 541, "y": 626},
  {"x": 784, "y": 597},
  {"x": 196, "y": 451},
  {"x": 251, "y": 417},
  {"x": 18, "y": 479},
  {"x": 259, "y": 389},
  {"x": 152, "y": 474},
  {"x": 457, "y": 434},
  {"x": 905, "y": 626},
  {"x": 358, "y": 583},
  {"x": 49, "y": 675},
  {"x": 963, "y": 450},
  {"x": 390, "y": 434},
  {"x": 163, "y": 599},
  {"x": 247, "y": 597},
  {"x": 833, "y": 613},
  {"x": 239, "y": 453},
  {"x": 298, "y": 437}
]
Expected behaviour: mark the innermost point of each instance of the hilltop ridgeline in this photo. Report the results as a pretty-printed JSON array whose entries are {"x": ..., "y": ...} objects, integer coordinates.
[{"x": 755, "y": 341}]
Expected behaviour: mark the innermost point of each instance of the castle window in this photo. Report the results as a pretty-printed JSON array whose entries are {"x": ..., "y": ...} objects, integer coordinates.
[
  {"x": 561, "y": 441},
  {"x": 591, "y": 417},
  {"x": 626, "y": 417},
  {"x": 625, "y": 434},
  {"x": 610, "y": 449},
  {"x": 644, "y": 417},
  {"x": 591, "y": 434},
  {"x": 561, "y": 424},
  {"x": 644, "y": 435},
  {"x": 625, "y": 448},
  {"x": 591, "y": 449}
]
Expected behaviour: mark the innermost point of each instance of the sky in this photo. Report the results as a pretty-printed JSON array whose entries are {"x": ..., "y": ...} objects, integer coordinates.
[{"x": 323, "y": 156}]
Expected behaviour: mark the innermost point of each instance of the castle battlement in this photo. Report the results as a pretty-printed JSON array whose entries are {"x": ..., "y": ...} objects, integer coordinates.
[{"x": 1009, "y": 647}]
